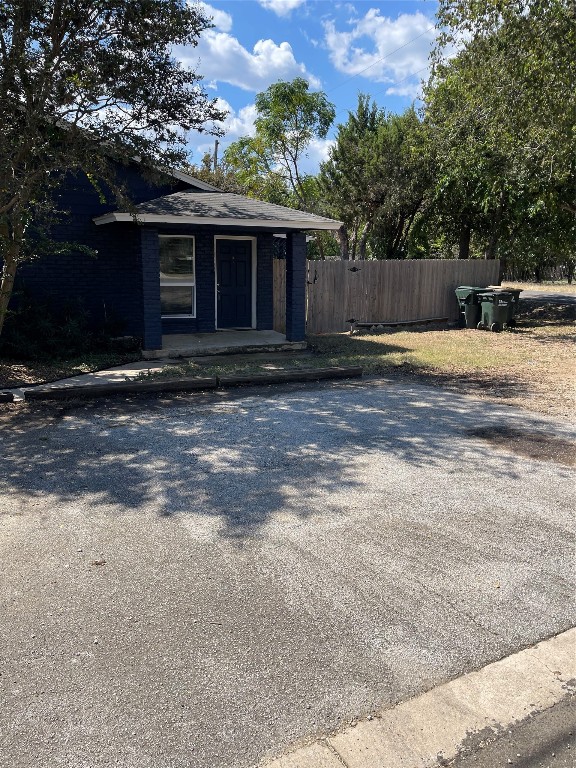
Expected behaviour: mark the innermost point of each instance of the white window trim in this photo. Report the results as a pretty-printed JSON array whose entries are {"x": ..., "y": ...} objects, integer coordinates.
[
  {"x": 183, "y": 283},
  {"x": 254, "y": 241}
]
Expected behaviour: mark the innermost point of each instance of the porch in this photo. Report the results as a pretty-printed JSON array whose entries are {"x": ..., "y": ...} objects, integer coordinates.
[{"x": 222, "y": 343}]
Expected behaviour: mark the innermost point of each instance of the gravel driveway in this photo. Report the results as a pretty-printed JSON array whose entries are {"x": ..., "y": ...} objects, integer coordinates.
[{"x": 199, "y": 583}]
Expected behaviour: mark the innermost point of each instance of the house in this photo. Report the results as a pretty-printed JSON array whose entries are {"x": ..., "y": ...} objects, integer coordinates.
[{"x": 190, "y": 258}]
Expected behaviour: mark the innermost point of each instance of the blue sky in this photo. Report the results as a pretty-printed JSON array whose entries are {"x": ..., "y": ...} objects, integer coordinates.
[{"x": 377, "y": 47}]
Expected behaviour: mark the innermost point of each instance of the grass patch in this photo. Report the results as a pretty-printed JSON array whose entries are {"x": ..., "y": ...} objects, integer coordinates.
[
  {"x": 557, "y": 286},
  {"x": 530, "y": 366},
  {"x": 462, "y": 351}
]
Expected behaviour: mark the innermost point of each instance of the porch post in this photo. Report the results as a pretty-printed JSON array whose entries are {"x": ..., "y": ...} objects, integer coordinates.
[
  {"x": 151, "y": 318},
  {"x": 296, "y": 286}
]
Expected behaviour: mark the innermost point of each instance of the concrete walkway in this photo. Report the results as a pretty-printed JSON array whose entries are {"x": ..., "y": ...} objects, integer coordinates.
[
  {"x": 117, "y": 374},
  {"x": 434, "y": 728}
]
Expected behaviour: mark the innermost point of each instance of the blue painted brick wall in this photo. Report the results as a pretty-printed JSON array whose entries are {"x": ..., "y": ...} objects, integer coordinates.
[
  {"x": 108, "y": 285},
  {"x": 265, "y": 283},
  {"x": 296, "y": 286},
  {"x": 150, "y": 294},
  {"x": 205, "y": 320},
  {"x": 121, "y": 283}
]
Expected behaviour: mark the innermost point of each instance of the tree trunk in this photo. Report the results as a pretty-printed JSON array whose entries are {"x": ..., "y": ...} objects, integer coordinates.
[
  {"x": 7, "y": 280},
  {"x": 492, "y": 247},
  {"x": 354, "y": 243},
  {"x": 344, "y": 243},
  {"x": 393, "y": 253},
  {"x": 408, "y": 228},
  {"x": 464, "y": 240},
  {"x": 362, "y": 242}
]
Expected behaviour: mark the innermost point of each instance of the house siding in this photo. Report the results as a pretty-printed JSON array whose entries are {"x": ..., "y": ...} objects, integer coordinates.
[
  {"x": 108, "y": 285},
  {"x": 120, "y": 285},
  {"x": 296, "y": 286},
  {"x": 265, "y": 283}
]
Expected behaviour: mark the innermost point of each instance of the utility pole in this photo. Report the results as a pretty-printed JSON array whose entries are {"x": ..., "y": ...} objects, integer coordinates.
[{"x": 216, "y": 143}]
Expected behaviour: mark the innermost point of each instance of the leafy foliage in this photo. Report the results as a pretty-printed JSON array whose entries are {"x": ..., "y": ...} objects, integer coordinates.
[
  {"x": 268, "y": 164},
  {"x": 82, "y": 87},
  {"x": 375, "y": 181},
  {"x": 501, "y": 127}
]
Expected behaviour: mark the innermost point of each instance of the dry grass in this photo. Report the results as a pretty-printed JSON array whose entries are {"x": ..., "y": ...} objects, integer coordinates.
[
  {"x": 551, "y": 287},
  {"x": 531, "y": 366}
]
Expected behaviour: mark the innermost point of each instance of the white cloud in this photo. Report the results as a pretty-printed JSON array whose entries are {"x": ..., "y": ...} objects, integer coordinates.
[
  {"x": 383, "y": 49},
  {"x": 220, "y": 19},
  {"x": 239, "y": 123},
  {"x": 221, "y": 57},
  {"x": 281, "y": 7},
  {"x": 236, "y": 124},
  {"x": 317, "y": 153}
]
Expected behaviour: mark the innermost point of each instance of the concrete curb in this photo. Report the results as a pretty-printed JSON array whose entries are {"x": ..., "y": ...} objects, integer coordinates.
[
  {"x": 282, "y": 377},
  {"x": 429, "y": 731},
  {"x": 121, "y": 387},
  {"x": 187, "y": 384}
]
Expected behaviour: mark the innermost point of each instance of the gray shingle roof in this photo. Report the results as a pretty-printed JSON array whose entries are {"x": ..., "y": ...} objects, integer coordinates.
[{"x": 224, "y": 208}]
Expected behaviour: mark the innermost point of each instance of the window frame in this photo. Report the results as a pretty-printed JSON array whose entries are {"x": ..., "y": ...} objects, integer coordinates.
[{"x": 172, "y": 283}]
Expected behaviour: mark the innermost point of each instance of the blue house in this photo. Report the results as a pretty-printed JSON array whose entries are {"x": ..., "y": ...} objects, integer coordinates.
[{"x": 186, "y": 259}]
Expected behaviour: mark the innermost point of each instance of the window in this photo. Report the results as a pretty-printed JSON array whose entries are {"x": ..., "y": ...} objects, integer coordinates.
[{"x": 177, "y": 277}]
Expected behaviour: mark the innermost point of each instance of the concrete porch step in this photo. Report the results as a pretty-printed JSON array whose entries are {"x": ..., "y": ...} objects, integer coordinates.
[{"x": 222, "y": 343}]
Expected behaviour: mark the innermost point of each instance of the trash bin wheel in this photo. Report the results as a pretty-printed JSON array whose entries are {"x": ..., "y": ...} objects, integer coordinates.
[
  {"x": 496, "y": 327},
  {"x": 479, "y": 327}
]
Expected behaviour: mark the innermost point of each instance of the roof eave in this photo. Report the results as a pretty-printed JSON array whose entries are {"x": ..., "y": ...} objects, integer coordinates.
[{"x": 274, "y": 224}]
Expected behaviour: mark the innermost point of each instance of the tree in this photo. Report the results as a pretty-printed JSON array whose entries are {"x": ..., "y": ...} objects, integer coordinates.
[
  {"x": 289, "y": 117},
  {"x": 472, "y": 191},
  {"x": 501, "y": 115},
  {"x": 84, "y": 86},
  {"x": 221, "y": 176},
  {"x": 375, "y": 181},
  {"x": 249, "y": 161}
]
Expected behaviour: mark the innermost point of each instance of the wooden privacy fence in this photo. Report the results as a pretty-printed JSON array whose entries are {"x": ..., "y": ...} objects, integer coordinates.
[{"x": 381, "y": 291}]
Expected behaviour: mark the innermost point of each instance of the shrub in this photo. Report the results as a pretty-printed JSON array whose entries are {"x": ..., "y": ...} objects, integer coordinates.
[{"x": 39, "y": 329}]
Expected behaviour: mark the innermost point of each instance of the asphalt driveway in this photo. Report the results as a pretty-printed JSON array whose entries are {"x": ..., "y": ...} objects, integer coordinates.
[{"x": 199, "y": 583}]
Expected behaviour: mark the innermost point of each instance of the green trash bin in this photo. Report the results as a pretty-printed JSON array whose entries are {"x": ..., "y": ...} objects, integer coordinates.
[
  {"x": 495, "y": 308},
  {"x": 468, "y": 299},
  {"x": 513, "y": 306}
]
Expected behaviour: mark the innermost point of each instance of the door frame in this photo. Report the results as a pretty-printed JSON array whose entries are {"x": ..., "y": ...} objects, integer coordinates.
[{"x": 254, "y": 265}]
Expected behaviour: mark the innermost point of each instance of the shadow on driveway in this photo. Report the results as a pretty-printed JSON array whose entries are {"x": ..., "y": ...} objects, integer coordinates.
[{"x": 240, "y": 456}]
